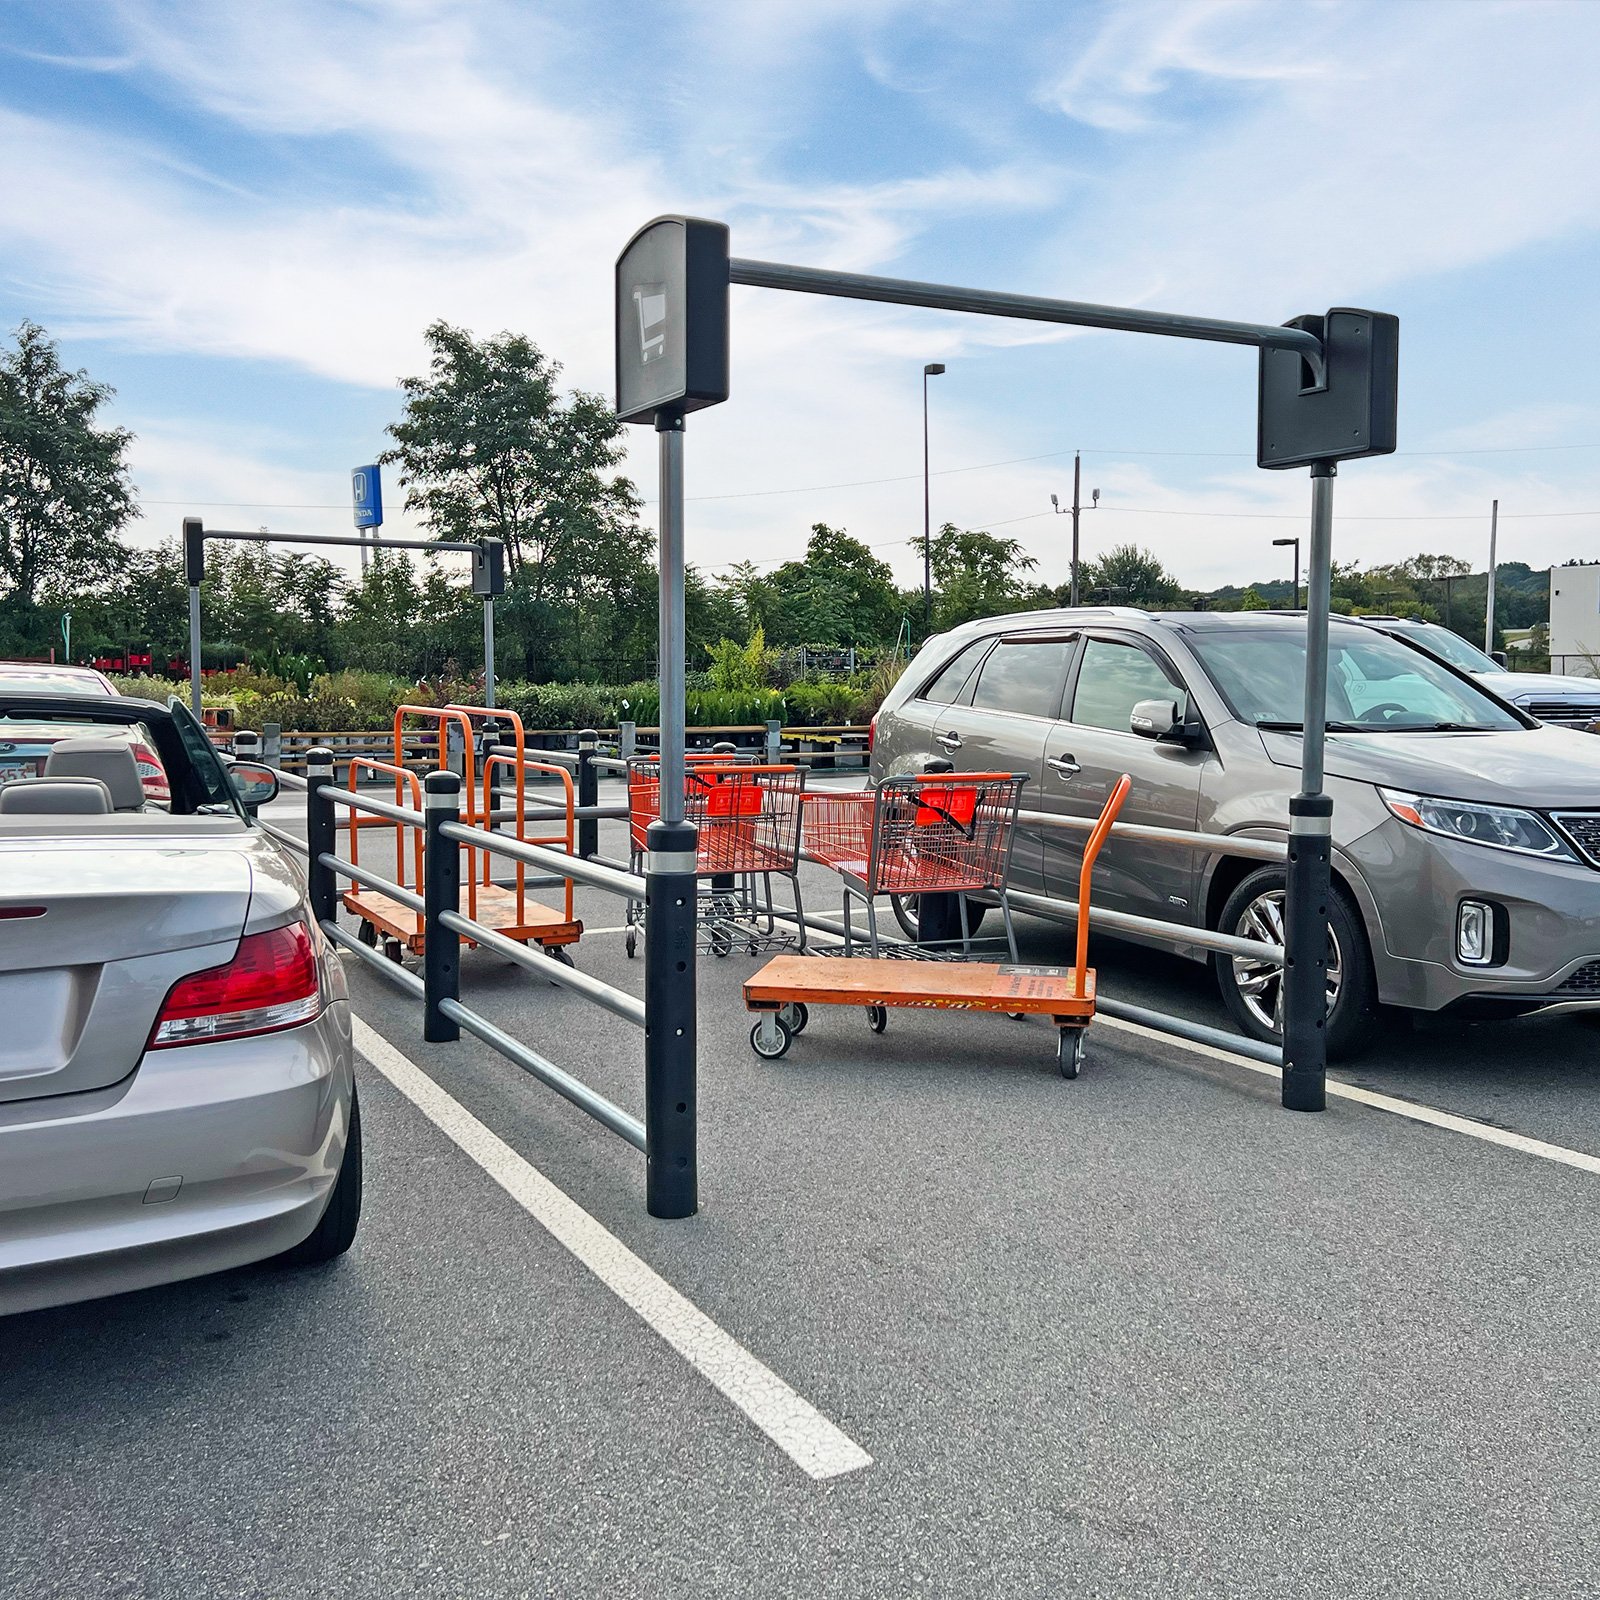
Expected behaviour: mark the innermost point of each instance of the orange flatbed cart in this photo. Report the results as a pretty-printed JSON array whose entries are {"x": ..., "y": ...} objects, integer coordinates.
[{"x": 783, "y": 990}]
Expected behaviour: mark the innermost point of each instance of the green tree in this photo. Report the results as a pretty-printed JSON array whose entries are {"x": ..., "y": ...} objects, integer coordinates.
[
  {"x": 839, "y": 593},
  {"x": 1129, "y": 576},
  {"x": 975, "y": 575},
  {"x": 64, "y": 490}
]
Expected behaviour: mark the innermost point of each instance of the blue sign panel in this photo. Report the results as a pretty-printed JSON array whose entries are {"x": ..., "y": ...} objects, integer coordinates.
[{"x": 367, "y": 492}]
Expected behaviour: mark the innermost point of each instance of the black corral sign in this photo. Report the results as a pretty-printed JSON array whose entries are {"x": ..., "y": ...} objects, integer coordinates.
[
  {"x": 672, "y": 319},
  {"x": 1351, "y": 411}
]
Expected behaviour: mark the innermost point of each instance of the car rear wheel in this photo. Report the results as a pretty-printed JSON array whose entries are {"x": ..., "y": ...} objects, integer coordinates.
[
  {"x": 1252, "y": 987},
  {"x": 336, "y": 1231},
  {"x": 905, "y": 913}
]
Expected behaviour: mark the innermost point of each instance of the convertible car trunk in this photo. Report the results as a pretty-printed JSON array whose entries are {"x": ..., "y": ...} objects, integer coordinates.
[{"x": 93, "y": 933}]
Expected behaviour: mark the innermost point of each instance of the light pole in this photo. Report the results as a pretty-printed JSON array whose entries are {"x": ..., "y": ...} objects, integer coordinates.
[
  {"x": 1488, "y": 609},
  {"x": 1076, "y": 509},
  {"x": 932, "y": 370},
  {"x": 1296, "y": 583}
]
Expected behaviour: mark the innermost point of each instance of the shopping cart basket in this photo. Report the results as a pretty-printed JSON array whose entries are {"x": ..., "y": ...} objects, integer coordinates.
[
  {"x": 936, "y": 833},
  {"x": 748, "y": 824}
]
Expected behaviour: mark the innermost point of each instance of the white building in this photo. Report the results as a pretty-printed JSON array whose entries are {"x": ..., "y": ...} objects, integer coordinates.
[{"x": 1575, "y": 620}]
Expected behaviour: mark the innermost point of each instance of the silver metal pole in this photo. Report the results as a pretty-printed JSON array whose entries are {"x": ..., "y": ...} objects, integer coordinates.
[
  {"x": 1494, "y": 532},
  {"x": 1077, "y": 478},
  {"x": 194, "y": 648},
  {"x": 1319, "y": 591},
  {"x": 488, "y": 653},
  {"x": 670, "y": 640},
  {"x": 927, "y": 542}
]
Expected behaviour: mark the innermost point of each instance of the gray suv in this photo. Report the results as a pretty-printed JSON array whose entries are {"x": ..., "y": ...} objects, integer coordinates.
[{"x": 1466, "y": 834}]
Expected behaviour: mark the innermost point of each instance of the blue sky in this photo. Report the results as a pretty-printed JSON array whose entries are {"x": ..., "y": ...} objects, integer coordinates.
[{"x": 243, "y": 216}]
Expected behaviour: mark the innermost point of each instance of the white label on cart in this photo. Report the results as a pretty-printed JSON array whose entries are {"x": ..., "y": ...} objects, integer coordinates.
[{"x": 1034, "y": 972}]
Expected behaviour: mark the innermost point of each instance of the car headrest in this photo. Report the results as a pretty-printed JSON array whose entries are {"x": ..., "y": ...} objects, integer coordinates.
[
  {"x": 58, "y": 797},
  {"x": 95, "y": 756}
]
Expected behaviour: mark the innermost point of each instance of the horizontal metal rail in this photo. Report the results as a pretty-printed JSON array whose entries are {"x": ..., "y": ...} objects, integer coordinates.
[
  {"x": 288, "y": 780},
  {"x": 382, "y": 965},
  {"x": 608, "y": 764},
  {"x": 1032, "y": 308},
  {"x": 1152, "y": 927},
  {"x": 629, "y": 884},
  {"x": 365, "y": 802},
  {"x": 602, "y": 994},
  {"x": 371, "y": 880},
  {"x": 1194, "y": 1032},
  {"x": 548, "y": 1073},
  {"x": 1222, "y": 844},
  {"x": 287, "y": 840},
  {"x": 611, "y": 813},
  {"x": 382, "y": 543}
]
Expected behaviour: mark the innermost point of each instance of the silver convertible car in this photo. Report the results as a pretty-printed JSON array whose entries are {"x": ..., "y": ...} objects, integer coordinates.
[{"x": 176, "y": 1093}]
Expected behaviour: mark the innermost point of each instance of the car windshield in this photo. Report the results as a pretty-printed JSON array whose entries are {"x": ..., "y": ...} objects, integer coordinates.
[
  {"x": 1450, "y": 647},
  {"x": 1375, "y": 683},
  {"x": 48, "y": 680}
]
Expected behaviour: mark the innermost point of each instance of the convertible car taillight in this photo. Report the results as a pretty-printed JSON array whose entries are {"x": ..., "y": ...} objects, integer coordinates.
[{"x": 271, "y": 983}]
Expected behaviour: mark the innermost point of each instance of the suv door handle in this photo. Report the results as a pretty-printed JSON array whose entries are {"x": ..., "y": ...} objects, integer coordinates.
[
  {"x": 951, "y": 741},
  {"x": 1065, "y": 765}
]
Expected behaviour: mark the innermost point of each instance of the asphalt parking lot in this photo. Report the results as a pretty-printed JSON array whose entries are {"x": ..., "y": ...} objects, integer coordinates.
[{"x": 1141, "y": 1334}]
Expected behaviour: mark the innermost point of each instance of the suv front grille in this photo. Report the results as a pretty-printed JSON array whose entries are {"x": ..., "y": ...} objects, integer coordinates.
[
  {"x": 1583, "y": 828},
  {"x": 1586, "y": 980},
  {"x": 1564, "y": 713}
]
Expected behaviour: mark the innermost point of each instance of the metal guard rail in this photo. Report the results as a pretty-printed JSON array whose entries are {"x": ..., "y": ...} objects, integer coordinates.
[
  {"x": 627, "y": 884},
  {"x": 1222, "y": 844}
]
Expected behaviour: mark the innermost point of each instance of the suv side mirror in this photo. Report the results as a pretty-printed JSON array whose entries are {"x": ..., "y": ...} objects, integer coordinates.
[
  {"x": 1166, "y": 722},
  {"x": 254, "y": 784},
  {"x": 1498, "y": 657}
]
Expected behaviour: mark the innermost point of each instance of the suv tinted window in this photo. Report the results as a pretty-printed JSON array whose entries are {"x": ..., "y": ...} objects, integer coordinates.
[
  {"x": 946, "y": 688},
  {"x": 1022, "y": 676},
  {"x": 1113, "y": 679}
]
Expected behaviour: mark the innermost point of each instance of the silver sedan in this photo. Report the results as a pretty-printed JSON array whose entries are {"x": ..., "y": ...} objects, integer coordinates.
[{"x": 176, "y": 1093}]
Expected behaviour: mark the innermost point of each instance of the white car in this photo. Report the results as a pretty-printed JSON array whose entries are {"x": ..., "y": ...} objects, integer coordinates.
[{"x": 46, "y": 677}]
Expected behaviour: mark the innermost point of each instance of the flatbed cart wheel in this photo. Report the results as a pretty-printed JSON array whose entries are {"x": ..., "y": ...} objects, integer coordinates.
[
  {"x": 877, "y": 1018},
  {"x": 770, "y": 1047},
  {"x": 367, "y": 933},
  {"x": 721, "y": 943},
  {"x": 1070, "y": 1051},
  {"x": 393, "y": 949},
  {"x": 558, "y": 952},
  {"x": 631, "y": 943},
  {"x": 796, "y": 1016}
]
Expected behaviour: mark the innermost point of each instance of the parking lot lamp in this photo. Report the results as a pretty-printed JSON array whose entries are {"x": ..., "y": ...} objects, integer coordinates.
[
  {"x": 932, "y": 370},
  {"x": 1296, "y": 574}
]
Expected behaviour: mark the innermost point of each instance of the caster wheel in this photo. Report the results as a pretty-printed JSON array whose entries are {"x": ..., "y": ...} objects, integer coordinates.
[
  {"x": 1017, "y": 1016},
  {"x": 1070, "y": 1052},
  {"x": 367, "y": 933},
  {"x": 877, "y": 1018},
  {"x": 796, "y": 1016},
  {"x": 558, "y": 952},
  {"x": 631, "y": 944},
  {"x": 721, "y": 944},
  {"x": 770, "y": 1048},
  {"x": 393, "y": 950}
]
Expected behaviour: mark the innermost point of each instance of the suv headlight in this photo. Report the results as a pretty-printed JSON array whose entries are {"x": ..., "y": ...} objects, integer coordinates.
[{"x": 1501, "y": 827}]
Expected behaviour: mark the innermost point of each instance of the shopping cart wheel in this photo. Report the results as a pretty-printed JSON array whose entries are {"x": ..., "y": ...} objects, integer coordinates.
[
  {"x": 1070, "y": 1052},
  {"x": 776, "y": 1040},
  {"x": 631, "y": 943},
  {"x": 721, "y": 943},
  {"x": 392, "y": 949},
  {"x": 877, "y": 1018},
  {"x": 796, "y": 1016},
  {"x": 367, "y": 933}
]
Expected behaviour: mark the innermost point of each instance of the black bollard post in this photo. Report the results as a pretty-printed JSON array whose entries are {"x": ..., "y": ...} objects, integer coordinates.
[
  {"x": 670, "y": 1116},
  {"x": 588, "y": 794},
  {"x": 321, "y": 836},
  {"x": 441, "y": 892}
]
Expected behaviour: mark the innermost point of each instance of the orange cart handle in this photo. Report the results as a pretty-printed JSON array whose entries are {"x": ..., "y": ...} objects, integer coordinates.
[{"x": 1097, "y": 837}]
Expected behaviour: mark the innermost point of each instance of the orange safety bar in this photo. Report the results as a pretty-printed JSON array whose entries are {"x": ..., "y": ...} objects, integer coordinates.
[
  {"x": 1097, "y": 837},
  {"x": 405, "y": 781}
]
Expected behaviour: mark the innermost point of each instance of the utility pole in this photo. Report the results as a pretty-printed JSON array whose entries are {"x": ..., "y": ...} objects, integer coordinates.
[
  {"x": 1488, "y": 619},
  {"x": 932, "y": 370},
  {"x": 1076, "y": 509}
]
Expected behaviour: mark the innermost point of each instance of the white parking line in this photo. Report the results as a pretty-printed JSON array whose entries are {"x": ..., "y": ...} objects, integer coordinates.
[
  {"x": 1431, "y": 1115},
  {"x": 813, "y": 1443}
]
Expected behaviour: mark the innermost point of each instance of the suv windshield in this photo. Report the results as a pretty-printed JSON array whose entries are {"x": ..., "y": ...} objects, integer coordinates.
[
  {"x": 1450, "y": 647},
  {"x": 1375, "y": 683}
]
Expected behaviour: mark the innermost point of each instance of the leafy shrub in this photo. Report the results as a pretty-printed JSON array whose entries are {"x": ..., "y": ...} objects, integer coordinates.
[{"x": 146, "y": 686}]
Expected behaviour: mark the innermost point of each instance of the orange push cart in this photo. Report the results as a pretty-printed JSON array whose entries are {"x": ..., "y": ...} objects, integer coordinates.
[
  {"x": 781, "y": 993},
  {"x": 508, "y": 909}
]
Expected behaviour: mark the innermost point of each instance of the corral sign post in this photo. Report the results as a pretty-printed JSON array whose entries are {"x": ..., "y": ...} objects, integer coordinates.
[{"x": 1328, "y": 387}]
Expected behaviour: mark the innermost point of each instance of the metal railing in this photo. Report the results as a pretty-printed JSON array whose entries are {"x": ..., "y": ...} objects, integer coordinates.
[{"x": 667, "y": 1135}]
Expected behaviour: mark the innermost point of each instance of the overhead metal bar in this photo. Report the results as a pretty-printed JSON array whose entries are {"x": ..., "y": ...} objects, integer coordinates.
[
  {"x": 1030, "y": 308},
  {"x": 341, "y": 538}
]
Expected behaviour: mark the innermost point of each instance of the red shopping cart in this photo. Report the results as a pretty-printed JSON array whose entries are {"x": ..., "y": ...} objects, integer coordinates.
[{"x": 748, "y": 822}]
